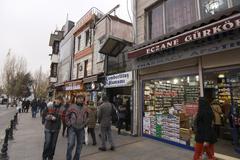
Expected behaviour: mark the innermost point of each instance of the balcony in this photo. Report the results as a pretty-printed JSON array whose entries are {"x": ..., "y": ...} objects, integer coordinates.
[
  {"x": 55, "y": 58},
  {"x": 57, "y": 36}
]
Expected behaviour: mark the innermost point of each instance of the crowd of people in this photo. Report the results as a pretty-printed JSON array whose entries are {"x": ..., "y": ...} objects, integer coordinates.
[{"x": 78, "y": 117}]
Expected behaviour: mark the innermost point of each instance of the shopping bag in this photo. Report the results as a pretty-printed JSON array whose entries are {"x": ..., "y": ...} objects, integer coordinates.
[{"x": 86, "y": 135}]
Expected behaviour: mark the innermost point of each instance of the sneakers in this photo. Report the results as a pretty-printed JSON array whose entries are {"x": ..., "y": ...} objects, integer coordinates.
[
  {"x": 112, "y": 148},
  {"x": 102, "y": 149}
]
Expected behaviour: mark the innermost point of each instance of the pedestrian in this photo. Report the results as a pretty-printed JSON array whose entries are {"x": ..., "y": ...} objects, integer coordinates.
[
  {"x": 66, "y": 106},
  {"x": 128, "y": 115},
  {"x": 34, "y": 108},
  {"x": 122, "y": 117},
  {"x": 105, "y": 119},
  {"x": 76, "y": 119},
  {"x": 204, "y": 132},
  {"x": 218, "y": 116},
  {"x": 52, "y": 119},
  {"x": 19, "y": 106},
  {"x": 27, "y": 105},
  {"x": 43, "y": 106},
  {"x": 234, "y": 121},
  {"x": 92, "y": 114},
  {"x": 24, "y": 106}
]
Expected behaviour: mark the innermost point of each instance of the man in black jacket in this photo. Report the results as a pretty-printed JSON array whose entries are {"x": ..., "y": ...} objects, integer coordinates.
[{"x": 52, "y": 120}]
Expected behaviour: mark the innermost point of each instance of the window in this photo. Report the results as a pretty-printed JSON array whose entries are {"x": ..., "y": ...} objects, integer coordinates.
[
  {"x": 87, "y": 38},
  {"x": 180, "y": 13},
  {"x": 78, "y": 69},
  {"x": 211, "y": 7},
  {"x": 236, "y": 2},
  {"x": 79, "y": 43},
  {"x": 85, "y": 68},
  {"x": 155, "y": 22}
]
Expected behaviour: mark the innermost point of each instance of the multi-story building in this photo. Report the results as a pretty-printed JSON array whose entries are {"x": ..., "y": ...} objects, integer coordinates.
[
  {"x": 54, "y": 42},
  {"x": 184, "y": 49}
]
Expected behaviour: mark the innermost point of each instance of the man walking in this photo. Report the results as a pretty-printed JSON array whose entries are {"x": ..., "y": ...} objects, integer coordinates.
[
  {"x": 76, "y": 119},
  {"x": 52, "y": 120},
  {"x": 105, "y": 119}
]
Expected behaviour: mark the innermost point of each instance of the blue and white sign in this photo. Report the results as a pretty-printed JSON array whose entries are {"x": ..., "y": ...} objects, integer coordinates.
[{"x": 119, "y": 80}]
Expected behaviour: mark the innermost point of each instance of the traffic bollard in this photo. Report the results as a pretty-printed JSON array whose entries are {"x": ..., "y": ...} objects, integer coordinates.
[
  {"x": 16, "y": 118},
  {"x": 3, "y": 154},
  {"x": 10, "y": 135}
]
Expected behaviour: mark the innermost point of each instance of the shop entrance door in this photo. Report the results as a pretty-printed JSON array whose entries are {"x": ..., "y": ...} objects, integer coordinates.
[{"x": 223, "y": 86}]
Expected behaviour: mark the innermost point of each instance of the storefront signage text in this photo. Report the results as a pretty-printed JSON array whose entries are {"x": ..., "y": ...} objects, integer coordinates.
[
  {"x": 203, "y": 32},
  {"x": 72, "y": 87},
  {"x": 223, "y": 42},
  {"x": 119, "y": 80}
]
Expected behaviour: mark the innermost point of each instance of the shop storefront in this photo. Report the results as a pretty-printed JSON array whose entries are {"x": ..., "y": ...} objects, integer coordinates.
[
  {"x": 94, "y": 86},
  {"x": 74, "y": 88},
  {"x": 175, "y": 72},
  {"x": 119, "y": 90}
]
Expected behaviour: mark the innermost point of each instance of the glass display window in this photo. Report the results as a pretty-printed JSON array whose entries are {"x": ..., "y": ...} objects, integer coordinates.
[
  {"x": 169, "y": 108},
  {"x": 211, "y": 7}
]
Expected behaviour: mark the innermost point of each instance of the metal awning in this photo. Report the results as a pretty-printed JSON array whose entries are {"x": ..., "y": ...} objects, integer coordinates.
[
  {"x": 113, "y": 46},
  {"x": 90, "y": 79}
]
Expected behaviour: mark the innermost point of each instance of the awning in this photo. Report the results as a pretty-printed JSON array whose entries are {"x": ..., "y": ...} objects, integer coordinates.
[
  {"x": 113, "y": 46},
  {"x": 90, "y": 79},
  {"x": 215, "y": 24}
]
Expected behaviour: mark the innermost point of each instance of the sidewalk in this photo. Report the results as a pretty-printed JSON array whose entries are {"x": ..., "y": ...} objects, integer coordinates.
[{"x": 29, "y": 137}]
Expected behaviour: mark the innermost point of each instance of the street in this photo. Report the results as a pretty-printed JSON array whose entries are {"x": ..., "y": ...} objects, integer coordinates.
[
  {"x": 30, "y": 134},
  {"x": 5, "y": 115}
]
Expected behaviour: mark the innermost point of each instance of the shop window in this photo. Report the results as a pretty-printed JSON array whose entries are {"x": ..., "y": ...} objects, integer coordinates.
[
  {"x": 155, "y": 21},
  {"x": 211, "y": 7},
  {"x": 236, "y": 2},
  {"x": 170, "y": 106},
  {"x": 180, "y": 13}
]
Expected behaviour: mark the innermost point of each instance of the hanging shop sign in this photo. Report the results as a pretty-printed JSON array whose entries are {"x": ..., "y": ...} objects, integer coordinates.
[
  {"x": 119, "y": 80},
  {"x": 221, "y": 26},
  {"x": 216, "y": 44},
  {"x": 74, "y": 86}
]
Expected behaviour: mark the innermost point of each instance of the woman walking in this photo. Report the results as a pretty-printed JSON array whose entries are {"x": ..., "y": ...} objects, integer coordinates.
[
  {"x": 205, "y": 136},
  {"x": 92, "y": 120}
]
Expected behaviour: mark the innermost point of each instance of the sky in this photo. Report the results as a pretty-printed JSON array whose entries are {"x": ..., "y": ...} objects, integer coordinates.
[{"x": 26, "y": 25}]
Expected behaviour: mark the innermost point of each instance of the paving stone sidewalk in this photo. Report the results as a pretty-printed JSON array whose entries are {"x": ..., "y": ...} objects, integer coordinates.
[{"x": 29, "y": 139}]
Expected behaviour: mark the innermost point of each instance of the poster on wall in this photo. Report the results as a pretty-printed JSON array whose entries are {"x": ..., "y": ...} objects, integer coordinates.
[{"x": 119, "y": 80}]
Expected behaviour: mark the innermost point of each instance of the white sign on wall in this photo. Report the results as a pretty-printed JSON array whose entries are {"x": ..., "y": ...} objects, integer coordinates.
[{"x": 119, "y": 80}]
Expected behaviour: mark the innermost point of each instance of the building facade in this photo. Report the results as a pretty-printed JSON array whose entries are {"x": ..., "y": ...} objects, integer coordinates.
[
  {"x": 184, "y": 50},
  {"x": 54, "y": 42}
]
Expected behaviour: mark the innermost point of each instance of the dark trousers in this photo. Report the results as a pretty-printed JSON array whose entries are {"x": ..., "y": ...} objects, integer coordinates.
[
  {"x": 235, "y": 135},
  {"x": 50, "y": 144},
  {"x": 74, "y": 135},
  {"x": 64, "y": 129},
  {"x": 92, "y": 132},
  {"x": 106, "y": 134},
  {"x": 217, "y": 130},
  {"x": 120, "y": 124}
]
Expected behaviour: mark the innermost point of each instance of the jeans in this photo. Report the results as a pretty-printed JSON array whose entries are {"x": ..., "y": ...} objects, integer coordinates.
[
  {"x": 34, "y": 113},
  {"x": 73, "y": 135},
  {"x": 50, "y": 144},
  {"x": 106, "y": 134},
  {"x": 235, "y": 136},
  {"x": 64, "y": 129},
  {"x": 92, "y": 132}
]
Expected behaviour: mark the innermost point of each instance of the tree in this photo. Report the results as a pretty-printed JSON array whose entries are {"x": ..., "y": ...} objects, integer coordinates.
[
  {"x": 16, "y": 80},
  {"x": 40, "y": 84}
]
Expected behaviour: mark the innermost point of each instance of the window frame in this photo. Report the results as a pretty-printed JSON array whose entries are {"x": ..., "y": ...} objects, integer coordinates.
[
  {"x": 79, "y": 42},
  {"x": 87, "y": 37}
]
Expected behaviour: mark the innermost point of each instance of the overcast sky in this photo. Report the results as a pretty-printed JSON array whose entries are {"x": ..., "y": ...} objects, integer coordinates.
[{"x": 25, "y": 25}]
